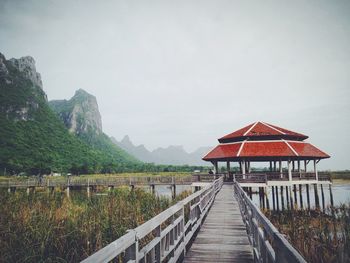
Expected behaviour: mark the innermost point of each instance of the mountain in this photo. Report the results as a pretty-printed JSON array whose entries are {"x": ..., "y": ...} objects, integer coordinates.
[
  {"x": 172, "y": 155},
  {"x": 33, "y": 138},
  {"x": 80, "y": 114},
  {"x": 82, "y": 118},
  {"x": 140, "y": 151}
]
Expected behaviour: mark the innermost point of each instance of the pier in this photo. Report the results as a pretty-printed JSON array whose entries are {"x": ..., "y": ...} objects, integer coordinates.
[
  {"x": 167, "y": 236},
  {"x": 93, "y": 185},
  {"x": 218, "y": 223}
]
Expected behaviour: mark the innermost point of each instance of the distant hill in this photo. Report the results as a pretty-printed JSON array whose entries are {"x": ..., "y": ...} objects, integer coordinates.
[
  {"x": 140, "y": 151},
  {"x": 82, "y": 118},
  {"x": 174, "y": 155},
  {"x": 33, "y": 138}
]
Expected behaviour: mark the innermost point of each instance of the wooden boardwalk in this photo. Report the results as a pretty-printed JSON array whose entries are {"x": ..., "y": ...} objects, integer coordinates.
[{"x": 223, "y": 236}]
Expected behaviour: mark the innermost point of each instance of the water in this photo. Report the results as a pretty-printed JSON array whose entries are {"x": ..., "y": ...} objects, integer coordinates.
[
  {"x": 166, "y": 190},
  {"x": 340, "y": 189}
]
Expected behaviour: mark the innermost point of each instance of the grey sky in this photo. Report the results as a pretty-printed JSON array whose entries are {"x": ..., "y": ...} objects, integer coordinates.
[{"x": 188, "y": 72}]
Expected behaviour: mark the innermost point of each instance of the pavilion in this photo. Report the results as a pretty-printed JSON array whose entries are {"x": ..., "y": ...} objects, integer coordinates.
[
  {"x": 287, "y": 153},
  {"x": 262, "y": 142}
]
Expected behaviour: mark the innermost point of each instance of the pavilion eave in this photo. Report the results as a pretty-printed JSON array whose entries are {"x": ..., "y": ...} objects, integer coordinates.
[{"x": 264, "y": 159}]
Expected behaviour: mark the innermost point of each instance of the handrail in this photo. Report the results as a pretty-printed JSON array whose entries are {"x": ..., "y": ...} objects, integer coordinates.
[
  {"x": 266, "y": 177},
  {"x": 269, "y": 245},
  {"x": 165, "y": 244},
  {"x": 90, "y": 182}
]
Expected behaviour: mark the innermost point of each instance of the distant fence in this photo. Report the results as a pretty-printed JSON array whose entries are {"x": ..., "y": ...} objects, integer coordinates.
[
  {"x": 165, "y": 237},
  {"x": 112, "y": 181},
  {"x": 268, "y": 243}
]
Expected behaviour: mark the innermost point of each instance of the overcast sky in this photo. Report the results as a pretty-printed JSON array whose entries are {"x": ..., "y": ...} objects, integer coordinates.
[{"x": 188, "y": 72}]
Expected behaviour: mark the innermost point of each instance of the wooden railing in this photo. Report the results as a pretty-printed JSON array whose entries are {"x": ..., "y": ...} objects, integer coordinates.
[
  {"x": 324, "y": 177},
  {"x": 85, "y": 182},
  {"x": 19, "y": 183},
  {"x": 250, "y": 178},
  {"x": 265, "y": 177},
  {"x": 202, "y": 177},
  {"x": 164, "y": 237},
  {"x": 158, "y": 180},
  {"x": 269, "y": 245}
]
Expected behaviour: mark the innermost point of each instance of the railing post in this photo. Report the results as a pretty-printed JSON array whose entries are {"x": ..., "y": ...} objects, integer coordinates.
[
  {"x": 278, "y": 251},
  {"x": 182, "y": 230},
  {"x": 172, "y": 235},
  {"x": 67, "y": 189},
  {"x": 132, "y": 252},
  {"x": 88, "y": 187},
  {"x": 158, "y": 246}
]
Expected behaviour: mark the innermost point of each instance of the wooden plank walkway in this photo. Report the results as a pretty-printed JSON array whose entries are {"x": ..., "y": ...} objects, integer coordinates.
[{"x": 223, "y": 236}]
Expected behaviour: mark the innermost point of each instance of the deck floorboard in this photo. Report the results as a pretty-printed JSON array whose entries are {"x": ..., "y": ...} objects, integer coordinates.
[{"x": 222, "y": 237}]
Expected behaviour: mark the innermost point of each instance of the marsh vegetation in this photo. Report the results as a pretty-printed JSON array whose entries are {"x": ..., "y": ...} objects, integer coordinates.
[
  {"x": 318, "y": 236},
  {"x": 54, "y": 228}
]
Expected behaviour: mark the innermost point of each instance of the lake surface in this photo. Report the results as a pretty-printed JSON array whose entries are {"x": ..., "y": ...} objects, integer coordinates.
[
  {"x": 166, "y": 190},
  {"x": 340, "y": 189}
]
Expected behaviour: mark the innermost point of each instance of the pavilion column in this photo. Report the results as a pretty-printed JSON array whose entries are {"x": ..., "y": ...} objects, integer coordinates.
[
  {"x": 249, "y": 170},
  {"x": 280, "y": 166},
  {"x": 315, "y": 170},
  {"x": 305, "y": 166},
  {"x": 228, "y": 168},
  {"x": 289, "y": 170},
  {"x": 243, "y": 169},
  {"x": 216, "y": 170}
]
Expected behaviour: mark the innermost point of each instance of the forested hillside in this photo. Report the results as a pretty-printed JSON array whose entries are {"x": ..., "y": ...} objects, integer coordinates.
[{"x": 34, "y": 140}]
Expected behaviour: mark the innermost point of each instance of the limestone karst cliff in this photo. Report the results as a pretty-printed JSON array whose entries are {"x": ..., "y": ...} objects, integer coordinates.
[
  {"x": 20, "y": 74},
  {"x": 80, "y": 114}
]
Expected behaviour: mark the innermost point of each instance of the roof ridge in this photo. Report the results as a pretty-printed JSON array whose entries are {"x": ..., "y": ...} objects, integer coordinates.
[
  {"x": 240, "y": 148},
  {"x": 271, "y": 127},
  {"x": 290, "y": 147},
  {"x": 244, "y": 134}
]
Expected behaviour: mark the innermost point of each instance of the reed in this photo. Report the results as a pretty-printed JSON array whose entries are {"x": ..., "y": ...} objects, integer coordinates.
[
  {"x": 318, "y": 236},
  {"x": 55, "y": 228}
]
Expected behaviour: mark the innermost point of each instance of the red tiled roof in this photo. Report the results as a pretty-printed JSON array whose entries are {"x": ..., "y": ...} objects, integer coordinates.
[
  {"x": 307, "y": 149},
  {"x": 224, "y": 151},
  {"x": 261, "y": 130},
  {"x": 265, "y": 150}
]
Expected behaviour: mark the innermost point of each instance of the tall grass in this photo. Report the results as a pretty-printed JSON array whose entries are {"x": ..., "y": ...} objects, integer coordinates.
[
  {"x": 319, "y": 237},
  {"x": 55, "y": 228}
]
